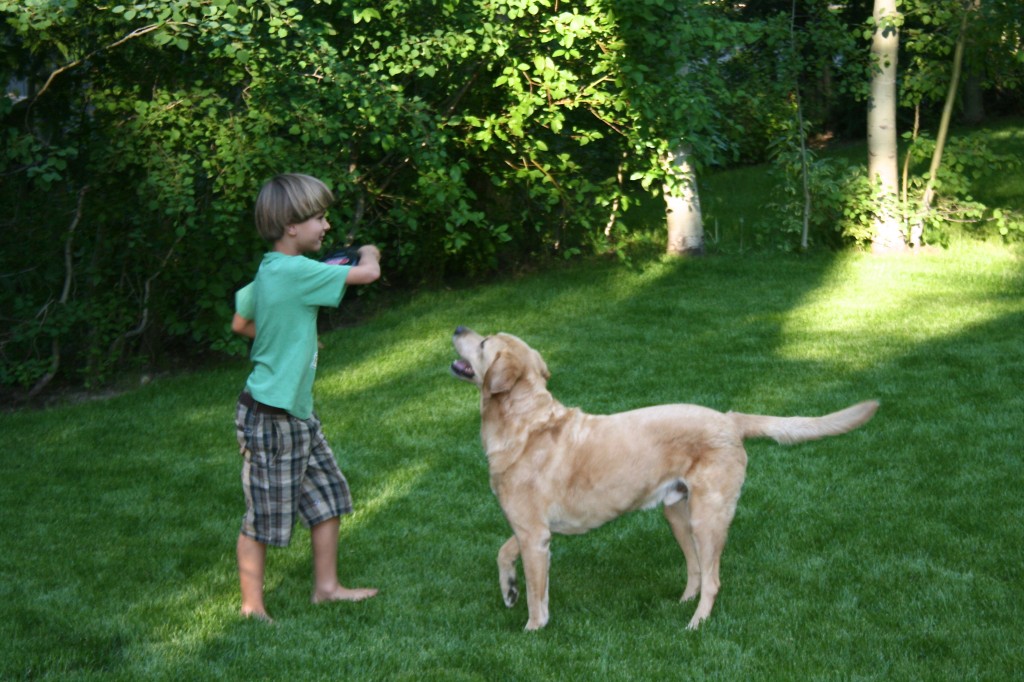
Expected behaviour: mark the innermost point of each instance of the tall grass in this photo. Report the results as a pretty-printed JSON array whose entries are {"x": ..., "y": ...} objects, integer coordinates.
[{"x": 894, "y": 552}]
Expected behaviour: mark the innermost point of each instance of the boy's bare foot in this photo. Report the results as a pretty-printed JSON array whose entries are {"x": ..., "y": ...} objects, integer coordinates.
[
  {"x": 341, "y": 593},
  {"x": 256, "y": 615}
]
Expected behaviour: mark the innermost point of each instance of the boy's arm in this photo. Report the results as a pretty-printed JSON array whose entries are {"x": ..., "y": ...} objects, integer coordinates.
[
  {"x": 243, "y": 327},
  {"x": 243, "y": 323},
  {"x": 368, "y": 269}
]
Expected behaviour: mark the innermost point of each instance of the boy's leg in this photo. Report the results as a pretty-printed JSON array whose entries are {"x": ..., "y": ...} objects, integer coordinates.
[
  {"x": 252, "y": 554},
  {"x": 325, "y": 566},
  {"x": 252, "y": 558}
]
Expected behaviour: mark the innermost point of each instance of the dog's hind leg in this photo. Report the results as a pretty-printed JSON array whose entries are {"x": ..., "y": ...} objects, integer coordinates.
[
  {"x": 678, "y": 516},
  {"x": 507, "y": 557},
  {"x": 709, "y": 540},
  {"x": 711, "y": 512}
]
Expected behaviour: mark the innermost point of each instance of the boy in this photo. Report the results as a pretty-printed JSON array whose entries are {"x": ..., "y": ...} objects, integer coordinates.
[{"x": 289, "y": 469}]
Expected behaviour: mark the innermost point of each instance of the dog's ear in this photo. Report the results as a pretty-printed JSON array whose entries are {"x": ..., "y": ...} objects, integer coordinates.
[
  {"x": 541, "y": 366},
  {"x": 503, "y": 373}
]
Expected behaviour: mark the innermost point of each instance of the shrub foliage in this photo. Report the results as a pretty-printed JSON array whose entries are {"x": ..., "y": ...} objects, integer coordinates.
[{"x": 461, "y": 137}]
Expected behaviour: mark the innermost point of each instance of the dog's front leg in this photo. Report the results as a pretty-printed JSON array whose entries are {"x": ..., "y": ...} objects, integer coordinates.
[
  {"x": 536, "y": 549},
  {"x": 507, "y": 557}
]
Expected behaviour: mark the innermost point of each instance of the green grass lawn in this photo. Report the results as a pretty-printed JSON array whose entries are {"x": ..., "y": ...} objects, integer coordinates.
[{"x": 895, "y": 552}]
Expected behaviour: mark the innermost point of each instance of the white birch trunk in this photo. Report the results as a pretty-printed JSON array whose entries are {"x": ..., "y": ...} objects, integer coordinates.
[
  {"x": 882, "y": 138},
  {"x": 682, "y": 207}
]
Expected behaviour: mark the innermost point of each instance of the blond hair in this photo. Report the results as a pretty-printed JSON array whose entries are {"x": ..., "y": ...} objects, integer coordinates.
[{"x": 289, "y": 199}]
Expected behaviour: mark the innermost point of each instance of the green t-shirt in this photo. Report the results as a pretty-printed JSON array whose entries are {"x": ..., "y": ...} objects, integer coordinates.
[{"x": 283, "y": 301}]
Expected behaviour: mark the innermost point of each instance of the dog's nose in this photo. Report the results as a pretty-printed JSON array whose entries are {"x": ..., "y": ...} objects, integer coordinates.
[{"x": 460, "y": 330}]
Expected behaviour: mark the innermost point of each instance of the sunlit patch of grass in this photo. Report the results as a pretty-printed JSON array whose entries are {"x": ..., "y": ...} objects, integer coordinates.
[{"x": 899, "y": 302}]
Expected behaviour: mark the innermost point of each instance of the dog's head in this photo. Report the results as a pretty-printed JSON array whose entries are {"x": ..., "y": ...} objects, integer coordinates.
[{"x": 496, "y": 363}]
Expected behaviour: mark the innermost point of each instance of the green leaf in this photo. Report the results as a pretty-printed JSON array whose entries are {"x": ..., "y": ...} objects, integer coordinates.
[{"x": 365, "y": 15}]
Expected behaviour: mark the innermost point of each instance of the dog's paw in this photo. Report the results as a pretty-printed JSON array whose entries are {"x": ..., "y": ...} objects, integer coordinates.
[
  {"x": 511, "y": 594},
  {"x": 692, "y": 587},
  {"x": 536, "y": 623}
]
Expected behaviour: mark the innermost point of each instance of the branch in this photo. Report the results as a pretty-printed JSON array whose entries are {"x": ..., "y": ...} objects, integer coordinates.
[
  {"x": 65, "y": 293},
  {"x": 117, "y": 43},
  {"x": 144, "y": 318}
]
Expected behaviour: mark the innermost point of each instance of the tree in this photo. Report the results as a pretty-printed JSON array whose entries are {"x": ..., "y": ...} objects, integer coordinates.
[
  {"x": 677, "y": 64},
  {"x": 881, "y": 129},
  {"x": 943, "y": 132},
  {"x": 939, "y": 37}
]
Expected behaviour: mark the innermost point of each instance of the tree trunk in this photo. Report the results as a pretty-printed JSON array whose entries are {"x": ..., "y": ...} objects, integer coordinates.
[
  {"x": 882, "y": 139},
  {"x": 682, "y": 207},
  {"x": 802, "y": 131}
]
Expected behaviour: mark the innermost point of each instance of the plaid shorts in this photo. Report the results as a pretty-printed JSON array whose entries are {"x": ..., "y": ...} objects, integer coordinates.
[{"x": 289, "y": 471}]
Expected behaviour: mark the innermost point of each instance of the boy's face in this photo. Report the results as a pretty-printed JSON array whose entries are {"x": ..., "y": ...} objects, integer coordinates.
[{"x": 308, "y": 236}]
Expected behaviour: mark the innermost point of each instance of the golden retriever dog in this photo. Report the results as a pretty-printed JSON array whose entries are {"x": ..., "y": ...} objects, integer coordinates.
[{"x": 556, "y": 469}]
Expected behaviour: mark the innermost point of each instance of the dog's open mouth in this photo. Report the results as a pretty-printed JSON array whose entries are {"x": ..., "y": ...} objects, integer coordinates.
[{"x": 463, "y": 369}]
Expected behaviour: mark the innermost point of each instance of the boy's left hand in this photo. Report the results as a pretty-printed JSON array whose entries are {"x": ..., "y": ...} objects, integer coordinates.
[{"x": 369, "y": 251}]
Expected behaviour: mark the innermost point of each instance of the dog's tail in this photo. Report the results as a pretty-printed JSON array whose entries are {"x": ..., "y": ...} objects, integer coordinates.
[{"x": 787, "y": 430}]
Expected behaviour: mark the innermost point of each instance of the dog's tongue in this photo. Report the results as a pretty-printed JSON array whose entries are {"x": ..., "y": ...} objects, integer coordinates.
[{"x": 462, "y": 368}]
